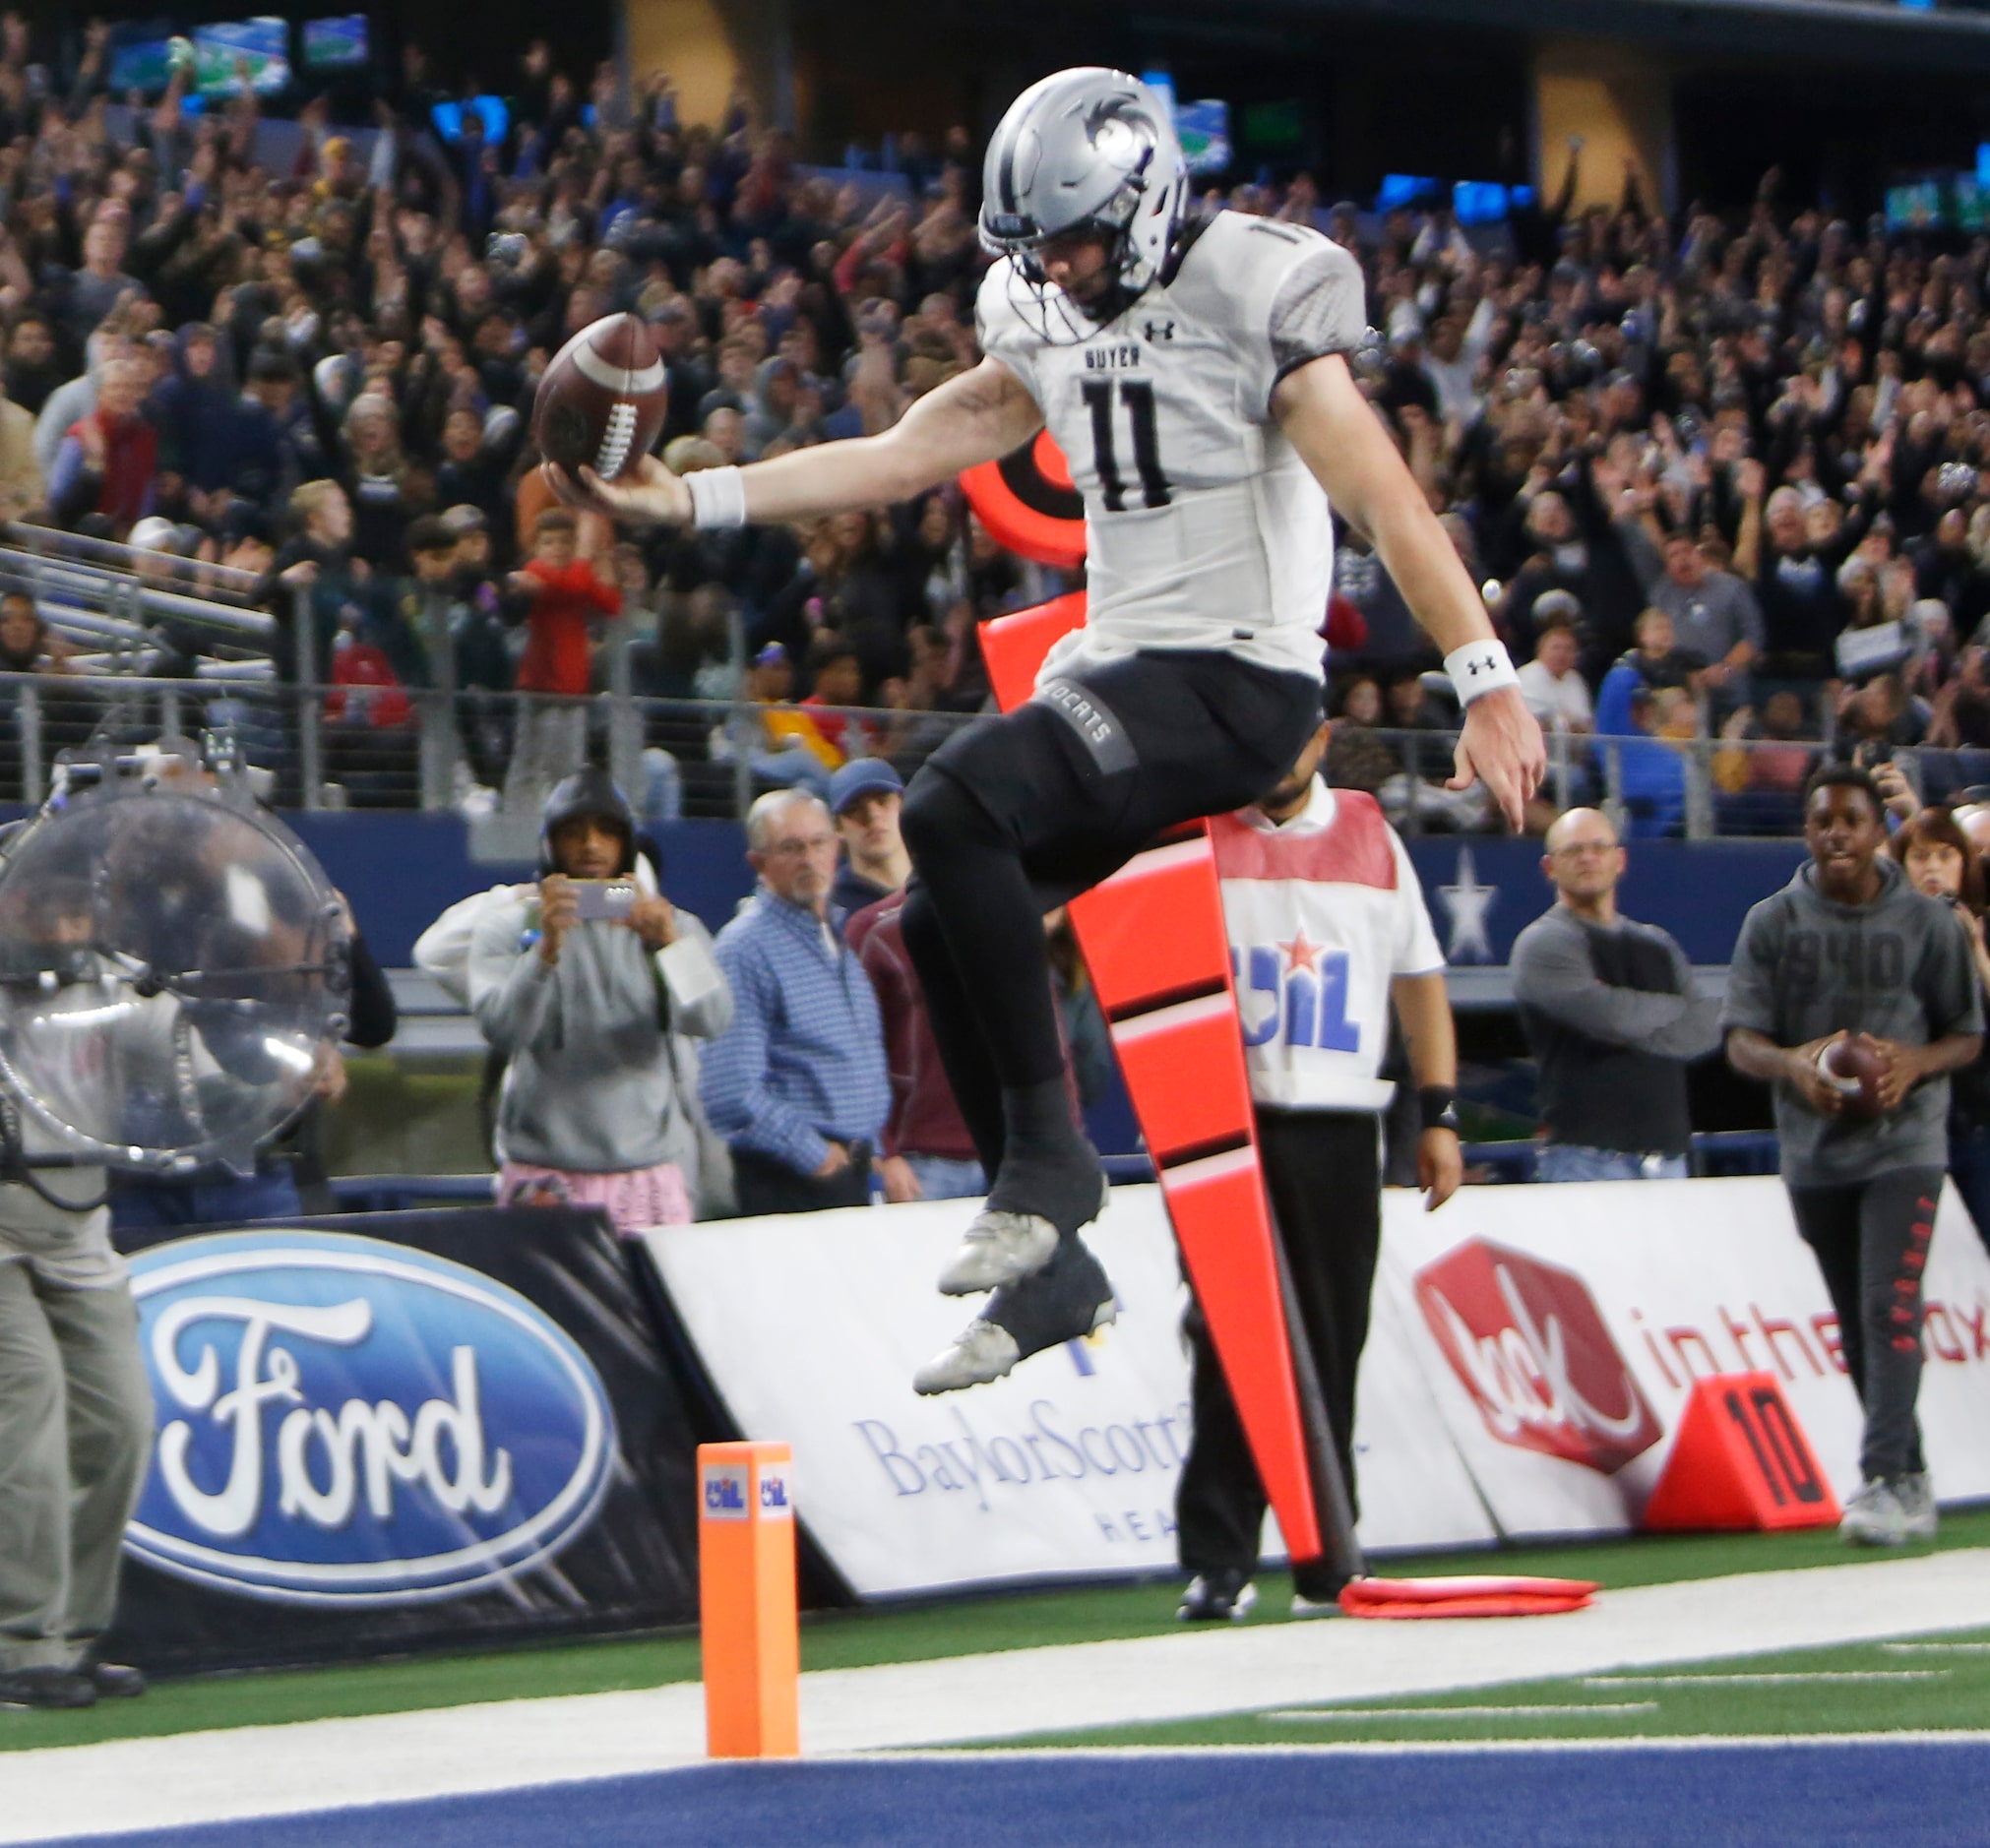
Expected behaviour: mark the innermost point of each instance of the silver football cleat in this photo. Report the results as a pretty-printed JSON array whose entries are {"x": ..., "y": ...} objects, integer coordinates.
[
  {"x": 979, "y": 1353},
  {"x": 998, "y": 1249}
]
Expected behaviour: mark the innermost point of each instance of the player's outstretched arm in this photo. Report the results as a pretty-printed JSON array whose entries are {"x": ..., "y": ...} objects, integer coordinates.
[
  {"x": 973, "y": 418},
  {"x": 1321, "y": 410}
]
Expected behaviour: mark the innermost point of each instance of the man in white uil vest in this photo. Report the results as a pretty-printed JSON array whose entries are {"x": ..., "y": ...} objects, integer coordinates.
[
  {"x": 1194, "y": 374},
  {"x": 1327, "y": 927}
]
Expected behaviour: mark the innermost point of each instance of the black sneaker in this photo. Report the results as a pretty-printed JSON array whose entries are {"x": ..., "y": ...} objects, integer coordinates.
[
  {"x": 56, "y": 1687},
  {"x": 116, "y": 1681},
  {"x": 1223, "y": 1597}
]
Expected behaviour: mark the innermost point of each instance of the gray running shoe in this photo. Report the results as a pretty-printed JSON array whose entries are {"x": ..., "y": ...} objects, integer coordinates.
[
  {"x": 979, "y": 1353},
  {"x": 1874, "y": 1517},
  {"x": 1915, "y": 1493},
  {"x": 999, "y": 1247}
]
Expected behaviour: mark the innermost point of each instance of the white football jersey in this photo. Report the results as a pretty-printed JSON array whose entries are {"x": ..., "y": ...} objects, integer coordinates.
[
  {"x": 1323, "y": 911},
  {"x": 1204, "y": 527}
]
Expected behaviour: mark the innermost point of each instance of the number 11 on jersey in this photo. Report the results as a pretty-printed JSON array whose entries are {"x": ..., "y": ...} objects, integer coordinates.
[{"x": 1138, "y": 397}]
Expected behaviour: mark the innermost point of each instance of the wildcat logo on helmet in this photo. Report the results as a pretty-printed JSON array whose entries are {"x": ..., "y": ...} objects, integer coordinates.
[
  {"x": 343, "y": 1421},
  {"x": 1530, "y": 1345}
]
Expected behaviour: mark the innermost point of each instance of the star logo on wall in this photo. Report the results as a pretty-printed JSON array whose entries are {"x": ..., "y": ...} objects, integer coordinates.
[
  {"x": 1299, "y": 953},
  {"x": 1467, "y": 903}
]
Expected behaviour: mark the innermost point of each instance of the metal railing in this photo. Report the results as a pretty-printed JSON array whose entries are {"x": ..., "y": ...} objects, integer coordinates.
[
  {"x": 339, "y": 747},
  {"x": 171, "y": 644},
  {"x": 1696, "y": 789}
]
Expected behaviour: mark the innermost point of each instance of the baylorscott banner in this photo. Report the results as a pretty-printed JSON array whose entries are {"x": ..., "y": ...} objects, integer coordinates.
[
  {"x": 1531, "y": 1352},
  {"x": 812, "y": 1326},
  {"x": 375, "y": 1433}
]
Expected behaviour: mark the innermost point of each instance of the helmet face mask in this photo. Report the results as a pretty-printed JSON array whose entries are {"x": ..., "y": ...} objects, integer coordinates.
[{"x": 1087, "y": 153}]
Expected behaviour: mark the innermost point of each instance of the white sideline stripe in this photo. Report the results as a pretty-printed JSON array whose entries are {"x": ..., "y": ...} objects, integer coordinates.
[
  {"x": 1562, "y": 1711},
  {"x": 1427, "y": 1747},
  {"x": 1937, "y": 1648},
  {"x": 185, "y": 1778},
  {"x": 1718, "y": 1677}
]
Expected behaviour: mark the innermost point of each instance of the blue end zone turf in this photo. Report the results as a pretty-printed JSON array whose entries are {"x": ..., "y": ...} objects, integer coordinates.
[{"x": 1908, "y": 1793}]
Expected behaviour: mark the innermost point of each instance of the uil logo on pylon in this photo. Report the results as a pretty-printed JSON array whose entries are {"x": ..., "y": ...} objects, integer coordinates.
[{"x": 1528, "y": 1343}]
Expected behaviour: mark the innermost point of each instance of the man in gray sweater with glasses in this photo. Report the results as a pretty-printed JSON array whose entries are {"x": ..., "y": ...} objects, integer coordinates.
[{"x": 1613, "y": 1016}]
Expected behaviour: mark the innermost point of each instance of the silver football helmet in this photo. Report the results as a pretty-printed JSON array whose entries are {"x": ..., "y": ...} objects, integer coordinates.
[{"x": 1085, "y": 150}]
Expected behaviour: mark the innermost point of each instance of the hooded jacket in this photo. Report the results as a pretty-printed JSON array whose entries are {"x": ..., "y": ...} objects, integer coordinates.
[
  {"x": 1899, "y": 969},
  {"x": 592, "y": 1086}
]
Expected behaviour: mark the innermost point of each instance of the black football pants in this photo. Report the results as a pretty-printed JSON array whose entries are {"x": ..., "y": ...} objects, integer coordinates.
[{"x": 1020, "y": 813}]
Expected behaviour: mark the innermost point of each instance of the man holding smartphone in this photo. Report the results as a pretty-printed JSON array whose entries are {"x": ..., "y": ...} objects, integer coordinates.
[
  {"x": 1849, "y": 952},
  {"x": 580, "y": 983}
]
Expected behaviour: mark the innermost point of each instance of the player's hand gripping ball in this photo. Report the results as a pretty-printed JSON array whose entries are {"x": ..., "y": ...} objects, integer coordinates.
[{"x": 603, "y": 399}]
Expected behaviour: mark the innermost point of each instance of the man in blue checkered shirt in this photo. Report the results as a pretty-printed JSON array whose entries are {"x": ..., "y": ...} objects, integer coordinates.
[{"x": 797, "y": 1083}]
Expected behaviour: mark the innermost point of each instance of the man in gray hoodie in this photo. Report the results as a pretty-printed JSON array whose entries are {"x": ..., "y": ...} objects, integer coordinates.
[
  {"x": 585, "y": 1008},
  {"x": 1849, "y": 951}
]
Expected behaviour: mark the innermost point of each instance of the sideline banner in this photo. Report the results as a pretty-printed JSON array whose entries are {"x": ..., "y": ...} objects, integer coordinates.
[
  {"x": 812, "y": 1326},
  {"x": 1561, "y": 1329},
  {"x": 434, "y": 1429},
  {"x": 1531, "y": 1353}
]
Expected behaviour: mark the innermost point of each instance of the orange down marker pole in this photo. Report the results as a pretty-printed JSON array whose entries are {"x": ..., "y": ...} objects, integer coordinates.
[
  {"x": 1154, "y": 942},
  {"x": 746, "y": 1601}
]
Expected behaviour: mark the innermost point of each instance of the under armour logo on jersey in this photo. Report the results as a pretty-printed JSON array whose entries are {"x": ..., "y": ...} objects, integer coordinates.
[{"x": 1160, "y": 331}]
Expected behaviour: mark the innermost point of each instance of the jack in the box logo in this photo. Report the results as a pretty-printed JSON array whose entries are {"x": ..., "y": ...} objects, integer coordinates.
[{"x": 1529, "y": 1345}]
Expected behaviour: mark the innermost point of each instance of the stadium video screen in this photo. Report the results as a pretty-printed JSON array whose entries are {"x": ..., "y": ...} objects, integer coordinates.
[
  {"x": 138, "y": 55},
  {"x": 222, "y": 48},
  {"x": 1204, "y": 131},
  {"x": 336, "y": 44},
  {"x": 1914, "y": 208}
]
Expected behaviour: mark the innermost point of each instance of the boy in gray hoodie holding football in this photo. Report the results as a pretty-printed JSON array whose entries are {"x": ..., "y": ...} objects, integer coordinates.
[{"x": 1849, "y": 955}]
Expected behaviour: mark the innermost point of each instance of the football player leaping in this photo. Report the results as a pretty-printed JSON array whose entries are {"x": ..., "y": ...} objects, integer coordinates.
[{"x": 1194, "y": 377}]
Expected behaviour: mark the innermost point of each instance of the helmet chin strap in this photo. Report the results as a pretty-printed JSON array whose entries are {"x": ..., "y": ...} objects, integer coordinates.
[{"x": 1083, "y": 319}]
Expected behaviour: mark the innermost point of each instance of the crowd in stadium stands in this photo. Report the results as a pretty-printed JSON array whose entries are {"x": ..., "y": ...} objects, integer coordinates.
[{"x": 1724, "y": 479}]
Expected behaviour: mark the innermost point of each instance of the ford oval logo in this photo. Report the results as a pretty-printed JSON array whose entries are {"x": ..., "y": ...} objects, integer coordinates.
[{"x": 343, "y": 1421}]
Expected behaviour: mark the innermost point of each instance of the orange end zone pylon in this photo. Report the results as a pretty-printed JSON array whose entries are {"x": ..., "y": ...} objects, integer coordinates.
[
  {"x": 748, "y": 1624},
  {"x": 1159, "y": 953}
]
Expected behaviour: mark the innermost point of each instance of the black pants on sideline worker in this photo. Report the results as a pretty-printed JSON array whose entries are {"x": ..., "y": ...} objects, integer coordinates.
[
  {"x": 1322, "y": 1172},
  {"x": 1871, "y": 1239},
  {"x": 764, "y": 1186}
]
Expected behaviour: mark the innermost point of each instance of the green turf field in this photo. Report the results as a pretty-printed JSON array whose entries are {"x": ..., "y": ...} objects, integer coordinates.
[
  {"x": 960, "y": 1627},
  {"x": 1938, "y": 1685}
]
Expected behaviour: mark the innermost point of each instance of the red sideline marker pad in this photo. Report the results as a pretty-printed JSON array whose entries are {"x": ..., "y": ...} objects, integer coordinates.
[
  {"x": 1488, "y": 1595},
  {"x": 1740, "y": 1463}
]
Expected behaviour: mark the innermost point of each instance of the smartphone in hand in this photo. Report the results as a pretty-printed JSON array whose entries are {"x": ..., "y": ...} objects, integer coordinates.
[{"x": 610, "y": 900}]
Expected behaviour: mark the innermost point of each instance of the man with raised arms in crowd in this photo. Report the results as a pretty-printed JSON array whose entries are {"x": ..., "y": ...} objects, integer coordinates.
[{"x": 1195, "y": 377}]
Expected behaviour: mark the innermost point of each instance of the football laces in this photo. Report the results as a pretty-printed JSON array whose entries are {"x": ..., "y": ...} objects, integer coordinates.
[{"x": 616, "y": 441}]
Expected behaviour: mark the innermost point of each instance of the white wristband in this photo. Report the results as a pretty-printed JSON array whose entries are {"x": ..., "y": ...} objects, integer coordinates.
[
  {"x": 718, "y": 497},
  {"x": 1476, "y": 668}
]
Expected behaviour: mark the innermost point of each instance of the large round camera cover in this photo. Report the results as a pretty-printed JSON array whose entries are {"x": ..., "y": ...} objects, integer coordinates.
[{"x": 173, "y": 963}]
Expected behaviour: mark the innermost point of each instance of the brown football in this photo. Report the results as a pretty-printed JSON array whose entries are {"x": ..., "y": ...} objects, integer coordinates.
[
  {"x": 601, "y": 400},
  {"x": 1855, "y": 1070}
]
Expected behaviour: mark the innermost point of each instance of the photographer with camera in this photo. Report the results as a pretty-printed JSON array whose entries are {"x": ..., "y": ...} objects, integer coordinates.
[{"x": 581, "y": 985}]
